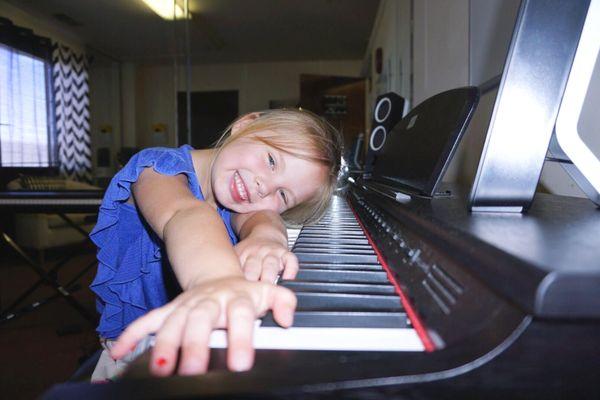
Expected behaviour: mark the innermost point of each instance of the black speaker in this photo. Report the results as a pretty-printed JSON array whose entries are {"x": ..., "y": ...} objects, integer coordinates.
[{"x": 389, "y": 109}]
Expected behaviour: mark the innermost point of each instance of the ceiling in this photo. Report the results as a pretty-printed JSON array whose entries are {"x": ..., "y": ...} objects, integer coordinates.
[{"x": 219, "y": 31}]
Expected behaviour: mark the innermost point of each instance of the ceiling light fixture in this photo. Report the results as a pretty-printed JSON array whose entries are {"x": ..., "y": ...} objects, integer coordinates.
[{"x": 167, "y": 9}]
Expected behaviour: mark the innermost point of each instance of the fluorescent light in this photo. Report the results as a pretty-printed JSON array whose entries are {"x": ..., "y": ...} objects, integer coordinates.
[{"x": 166, "y": 9}]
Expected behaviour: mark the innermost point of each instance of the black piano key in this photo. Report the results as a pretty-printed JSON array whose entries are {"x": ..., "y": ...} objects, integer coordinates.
[
  {"x": 334, "y": 265},
  {"x": 328, "y": 239},
  {"x": 332, "y": 226},
  {"x": 342, "y": 258},
  {"x": 348, "y": 319},
  {"x": 334, "y": 223},
  {"x": 339, "y": 215},
  {"x": 342, "y": 276},
  {"x": 340, "y": 282},
  {"x": 339, "y": 229},
  {"x": 334, "y": 230},
  {"x": 310, "y": 301},
  {"x": 334, "y": 287},
  {"x": 324, "y": 236},
  {"x": 333, "y": 246},
  {"x": 332, "y": 251}
]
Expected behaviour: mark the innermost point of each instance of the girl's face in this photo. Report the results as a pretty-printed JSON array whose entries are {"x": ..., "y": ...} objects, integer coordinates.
[{"x": 248, "y": 175}]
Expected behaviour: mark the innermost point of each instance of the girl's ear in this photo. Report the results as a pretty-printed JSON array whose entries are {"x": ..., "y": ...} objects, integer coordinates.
[{"x": 241, "y": 123}]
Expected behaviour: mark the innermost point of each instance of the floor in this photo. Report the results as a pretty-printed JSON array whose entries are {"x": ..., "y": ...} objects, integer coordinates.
[{"x": 45, "y": 346}]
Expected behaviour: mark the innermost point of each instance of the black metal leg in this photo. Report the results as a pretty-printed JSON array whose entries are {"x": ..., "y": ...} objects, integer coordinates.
[
  {"x": 73, "y": 225},
  {"x": 39, "y": 283},
  {"x": 71, "y": 285},
  {"x": 8, "y": 317},
  {"x": 61, "y": 290}
]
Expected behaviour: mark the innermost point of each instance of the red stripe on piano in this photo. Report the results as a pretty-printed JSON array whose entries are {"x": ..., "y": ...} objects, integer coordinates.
[{"x": 410, "y": 311}]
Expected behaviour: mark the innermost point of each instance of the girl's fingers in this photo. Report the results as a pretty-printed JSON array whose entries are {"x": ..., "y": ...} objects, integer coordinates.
[
  {"x": 290, "y": 265},
  {"x": 195, "y": 353},
  {"x": 252, "y": 268},
  {"x": 283, "y": 305},
  {"x": 240, "y": 331},
  {"x": 270, "y": 269},
  {"x": 188, "y": 324},
  {"x": 137, "y": 330},
  {"x": 168, "y": 340}
]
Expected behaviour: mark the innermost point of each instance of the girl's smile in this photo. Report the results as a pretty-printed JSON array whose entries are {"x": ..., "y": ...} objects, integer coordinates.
[{"x": 239, "y": 192}]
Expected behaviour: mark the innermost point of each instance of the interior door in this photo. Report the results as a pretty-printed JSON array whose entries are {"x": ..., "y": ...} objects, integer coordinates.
[
  {"x": 340, "y": 100},
  {"x": 211, "y": 113}
]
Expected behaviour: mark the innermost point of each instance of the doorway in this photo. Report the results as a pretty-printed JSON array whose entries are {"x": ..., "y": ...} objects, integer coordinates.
[
  {"x": 211, "y": 113},
  {"x": 341, "y": 101}
]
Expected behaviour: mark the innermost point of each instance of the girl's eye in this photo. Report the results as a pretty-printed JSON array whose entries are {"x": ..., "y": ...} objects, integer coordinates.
[
  {"x": 283, "y": 196},
  {"x": 271, "y": 161}
]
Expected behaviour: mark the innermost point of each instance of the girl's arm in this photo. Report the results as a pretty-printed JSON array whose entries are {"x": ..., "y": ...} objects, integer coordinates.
[
  {"x": 263, "y": 247},
  {"x": 216, "y": 294}
]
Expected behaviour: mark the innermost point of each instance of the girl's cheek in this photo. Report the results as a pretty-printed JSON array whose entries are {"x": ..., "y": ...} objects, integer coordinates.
[{"x": 275, "y": 207}]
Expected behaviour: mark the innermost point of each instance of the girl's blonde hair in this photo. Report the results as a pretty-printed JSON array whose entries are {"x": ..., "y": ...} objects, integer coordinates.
[{"x": 302, "y": 134}]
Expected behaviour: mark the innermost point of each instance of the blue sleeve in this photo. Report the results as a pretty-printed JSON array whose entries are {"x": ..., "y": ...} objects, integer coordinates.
[
  {"x": 128, "y": 281},
  {"x": 165, "y": 161}
]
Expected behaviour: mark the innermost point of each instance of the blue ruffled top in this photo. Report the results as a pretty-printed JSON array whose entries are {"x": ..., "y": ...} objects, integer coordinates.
[{"x": 134, "y": 275}]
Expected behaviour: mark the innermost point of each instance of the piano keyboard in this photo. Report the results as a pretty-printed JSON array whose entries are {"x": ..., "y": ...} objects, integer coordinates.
[
  {"x": 345, "y": 301},
  {"x": 67, "y": 201},
  {"x": 50, "y": 202}
]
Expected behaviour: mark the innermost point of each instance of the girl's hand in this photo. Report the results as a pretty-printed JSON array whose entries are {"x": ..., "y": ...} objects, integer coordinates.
[
  {"x": 187, "y": 322},
  {"x": 264, "y": 259}
]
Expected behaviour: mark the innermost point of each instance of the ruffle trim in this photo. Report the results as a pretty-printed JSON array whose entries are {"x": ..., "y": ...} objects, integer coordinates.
[{"x": 119, "y": 287}]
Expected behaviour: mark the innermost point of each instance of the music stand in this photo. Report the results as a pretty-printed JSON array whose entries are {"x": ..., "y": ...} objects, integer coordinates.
[{"x": 539, "y": 70}]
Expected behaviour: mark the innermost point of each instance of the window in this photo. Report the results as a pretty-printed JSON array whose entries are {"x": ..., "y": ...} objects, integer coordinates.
[{"x": 25, "y": 139}]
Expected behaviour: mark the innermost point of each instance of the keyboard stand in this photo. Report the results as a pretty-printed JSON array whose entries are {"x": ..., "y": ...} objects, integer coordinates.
[{"x": 48, "y": 277}]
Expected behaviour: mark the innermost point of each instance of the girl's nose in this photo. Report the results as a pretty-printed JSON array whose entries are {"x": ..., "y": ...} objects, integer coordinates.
[{"x": 261, "y": 188}]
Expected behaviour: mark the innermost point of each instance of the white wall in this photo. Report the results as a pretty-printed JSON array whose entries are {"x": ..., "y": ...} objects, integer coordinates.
[
  {"x": 441, "y": 46},
  {"x": 491, "y": 23},
  {"x": 105, "y": 109},
  {"x": 491, "y": 26},
  {"x": 391, "y": 33},
  {"x": 257, "y": 83},
  {"x": 128, "y": 83}
]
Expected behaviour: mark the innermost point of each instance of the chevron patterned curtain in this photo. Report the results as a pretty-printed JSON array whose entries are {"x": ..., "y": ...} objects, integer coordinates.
[{"x": 71, "y": 101}]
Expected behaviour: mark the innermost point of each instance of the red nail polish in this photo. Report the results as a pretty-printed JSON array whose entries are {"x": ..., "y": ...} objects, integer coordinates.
[{"x": 161, "y": 361}]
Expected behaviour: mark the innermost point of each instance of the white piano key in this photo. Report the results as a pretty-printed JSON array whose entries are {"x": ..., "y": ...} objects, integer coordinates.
[
  {"x": 340, "y": 339},
  {"x": 292, "y": 234}
]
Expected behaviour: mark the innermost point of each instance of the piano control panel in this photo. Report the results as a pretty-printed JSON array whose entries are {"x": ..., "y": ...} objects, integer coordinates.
[{"x": 449, "y": 301}]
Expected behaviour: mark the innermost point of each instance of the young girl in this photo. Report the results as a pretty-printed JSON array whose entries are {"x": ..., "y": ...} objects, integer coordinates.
[{"x": 170, "y": 222}]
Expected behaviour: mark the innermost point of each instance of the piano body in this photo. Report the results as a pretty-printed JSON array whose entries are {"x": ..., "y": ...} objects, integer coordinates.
[
  {"x": 447, "y": 303},
  {"x": 508, "y": 307}
]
